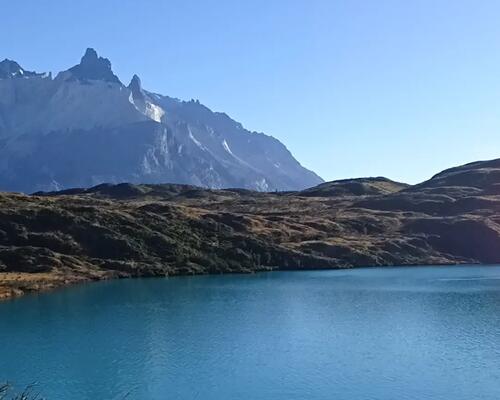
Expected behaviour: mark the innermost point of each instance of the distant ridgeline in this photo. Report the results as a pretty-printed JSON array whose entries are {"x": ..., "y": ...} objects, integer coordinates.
[{"x": 85, "y": 127}]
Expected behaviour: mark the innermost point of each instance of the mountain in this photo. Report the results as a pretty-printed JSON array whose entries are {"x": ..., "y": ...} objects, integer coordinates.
[
  {"x": 11, "y": 69},
  {"x": 126, "y": 230},
  {"x": 85, "y": 127}
]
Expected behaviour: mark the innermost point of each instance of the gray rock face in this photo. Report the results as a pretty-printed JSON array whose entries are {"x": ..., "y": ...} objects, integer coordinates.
[
  {"x": 93, "y": 67},
  {"x": 135, "y": 88},
  {"x": 10, "y": 69},
  {"x": 85, "y": 127}
]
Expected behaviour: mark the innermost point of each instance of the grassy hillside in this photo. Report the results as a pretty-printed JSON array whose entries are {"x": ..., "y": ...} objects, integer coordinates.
[{"x": 112, "y": 231}]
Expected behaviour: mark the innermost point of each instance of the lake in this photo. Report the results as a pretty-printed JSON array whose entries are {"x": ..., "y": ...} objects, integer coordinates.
[{"x": 396, "y": 333}]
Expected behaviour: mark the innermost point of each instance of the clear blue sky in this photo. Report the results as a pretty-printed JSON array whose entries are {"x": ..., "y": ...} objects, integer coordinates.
[{"x": 353, "y": 88}]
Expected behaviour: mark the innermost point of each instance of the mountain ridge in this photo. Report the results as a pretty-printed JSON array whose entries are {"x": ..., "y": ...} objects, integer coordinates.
[{"x": 87, "y": 110}]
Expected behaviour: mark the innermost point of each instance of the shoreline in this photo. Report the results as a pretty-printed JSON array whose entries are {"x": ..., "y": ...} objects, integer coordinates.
[
  {"x": 121, "y": 231},
  {"x": 14, "y": 285}
]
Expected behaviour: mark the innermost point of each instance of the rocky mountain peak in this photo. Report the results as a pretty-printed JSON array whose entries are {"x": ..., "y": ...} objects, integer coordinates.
[
  {"x": 70, "y": 124},
  {"x": 135, "y": 87},
  {"x": 11, "y": 69},
  {"x": 93, "y": 67},
  {"x": 90, "y": 56}
]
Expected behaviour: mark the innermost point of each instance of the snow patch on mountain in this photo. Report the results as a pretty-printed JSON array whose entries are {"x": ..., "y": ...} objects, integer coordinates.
[
  {"x": 226, "y": 147},
  {"x": 196, "y": 141}
]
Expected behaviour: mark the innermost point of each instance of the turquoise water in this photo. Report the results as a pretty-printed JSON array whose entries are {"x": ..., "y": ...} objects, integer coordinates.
[{"x": 413, "y": 333}]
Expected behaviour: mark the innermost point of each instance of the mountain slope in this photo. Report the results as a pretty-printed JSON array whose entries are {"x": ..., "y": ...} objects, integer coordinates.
[
  {"x": 355, "y": 187},
  {"x": 477, "y": 176},
  {"x": 126, "y": 230},
  {"x": 84, "y": 127}
]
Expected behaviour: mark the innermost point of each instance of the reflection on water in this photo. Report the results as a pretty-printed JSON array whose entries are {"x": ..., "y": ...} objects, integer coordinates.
[{"x": 413, "y": 333}]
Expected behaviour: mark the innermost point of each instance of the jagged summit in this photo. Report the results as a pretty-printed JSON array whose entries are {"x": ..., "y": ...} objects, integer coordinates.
[
  {"x": 11, "y": 69},
  {"x": 89, "y": 56},
  {"x": 93, "y": 67},
  {"x": 85, "y": 128},
  {"x": 135, "y": 87},
  {"x": 135, "y": 83}
]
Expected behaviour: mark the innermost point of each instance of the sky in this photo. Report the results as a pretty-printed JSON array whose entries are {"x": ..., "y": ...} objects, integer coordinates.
[{"x": 353, "y": 88}]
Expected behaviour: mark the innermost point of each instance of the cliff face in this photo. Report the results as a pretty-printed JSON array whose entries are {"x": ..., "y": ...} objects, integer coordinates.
[
  {"x": 51, "y": 239},
  {"x": 85, "y": 127}
]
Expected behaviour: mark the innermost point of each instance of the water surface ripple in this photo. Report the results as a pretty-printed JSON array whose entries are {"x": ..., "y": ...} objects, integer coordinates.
[{"x": 374, "y": 334}]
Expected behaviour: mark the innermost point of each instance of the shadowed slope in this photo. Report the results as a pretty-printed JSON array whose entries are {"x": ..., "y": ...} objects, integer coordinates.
[{"x": 126, "y": 230}]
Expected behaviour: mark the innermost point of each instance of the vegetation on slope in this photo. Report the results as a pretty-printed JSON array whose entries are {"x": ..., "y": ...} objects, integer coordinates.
[{"x": 52, "y": 239}]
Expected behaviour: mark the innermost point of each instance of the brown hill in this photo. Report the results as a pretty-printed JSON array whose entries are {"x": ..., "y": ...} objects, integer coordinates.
[
  {"x": 52, "y": 239},
  {"x": 355, "y": 187}
]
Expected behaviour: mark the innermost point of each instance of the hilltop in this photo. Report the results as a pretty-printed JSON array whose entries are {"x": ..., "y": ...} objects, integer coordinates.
[{"x": 113, "y": 231}]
